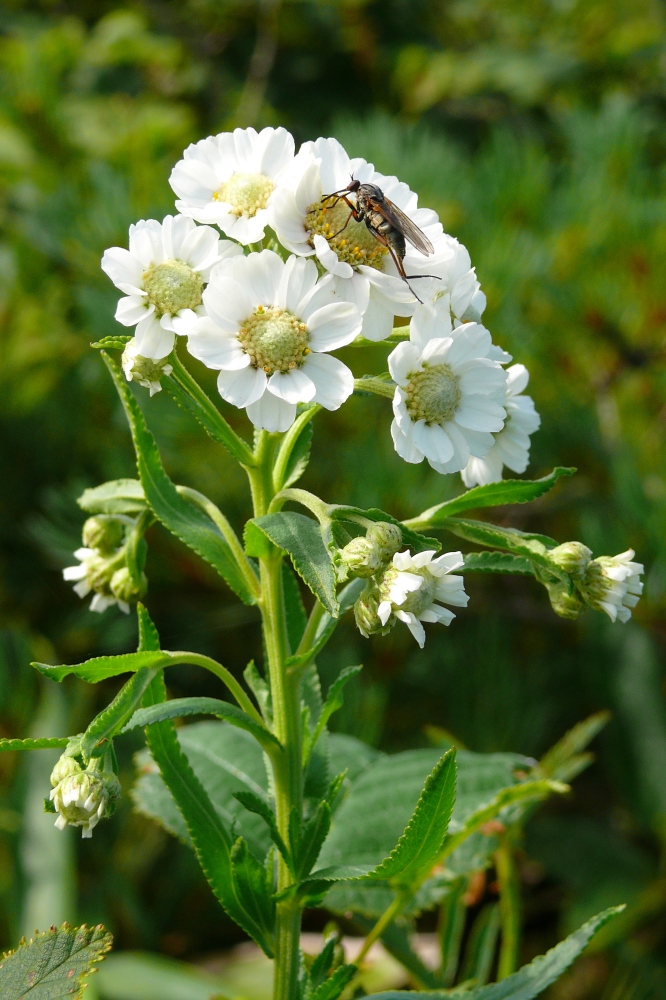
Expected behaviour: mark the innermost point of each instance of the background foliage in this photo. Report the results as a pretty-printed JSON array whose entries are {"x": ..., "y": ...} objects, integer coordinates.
[{"x": 536, "y": 131}]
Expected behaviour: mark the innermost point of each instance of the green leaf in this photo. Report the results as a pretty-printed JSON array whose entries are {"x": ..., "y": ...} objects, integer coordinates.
[
  {"x": 529, "y": 981},
  {"x": 259, "y": 806},
  {"x": 294, "y": 611},
  {"x": 294, "y": 452},
  {"x": 481, "y": 946},
  {"x": 300, "y": 537},
  {"x": 332, "y": 987},
  {"x": 313, "y": 836},
  {"x": 413, "y": 539},
  {"x": 53, "y": 965},
  {"x": 177, "y": 708},
  {"x": 507, "y": 491},
  {"x": 333, "y": 700},
  {"x": 424, "y": 834},
  {"x": 101, "y": 667},
  {"x": 253, "y": 882},
  {"x": 532, "y": 546},
  {"x": 43, "y": 743},
  {"x": 119, "y": 496},
  {"x": 116, "y": 342},
  {"x": 565, "y": 760},
  {"x": 112, "y": 719},
  {"x": 327, "y": 625},
  {"x": 496, "y": 562},
  {"x": 181, "y": 518}
]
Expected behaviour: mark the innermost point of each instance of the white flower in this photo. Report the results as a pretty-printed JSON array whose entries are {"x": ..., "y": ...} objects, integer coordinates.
[
  {"x": 81, "y": 798},
  {"x": 449, "y": 397},
  {"x": 512, "y": 444},
  {"x": 94, "y": 573},
  {"x": 163, "y": 275},
  {"x": 363, "y": 269},
  {"x": 414, "y": 583},
  {"x": 268, "y": 326},
  {"x": 613, "y": 584},
  {"x": 229, "y": 179},
  {"x": 146, "y": 371}
]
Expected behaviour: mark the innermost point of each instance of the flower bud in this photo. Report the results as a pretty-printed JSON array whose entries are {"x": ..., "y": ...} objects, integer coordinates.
[
  {"x": 146, "y": 371},
  {"x": 82, "y": 798},
  {"x": 365, "y": 613},
  {"x": 124, "y": 588},
  {"x": 65, "y": 768},
  {"x": 612, "y": 584},
  {"x": 369, "y": 555},
  {"x": 103, "y": 532},
  {"x": 564, "y": 601},
  {"x": 572, "y": 557}
]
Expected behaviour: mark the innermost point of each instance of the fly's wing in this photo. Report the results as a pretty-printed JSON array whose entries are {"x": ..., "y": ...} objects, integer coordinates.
[{"x": 411, "y": 232}]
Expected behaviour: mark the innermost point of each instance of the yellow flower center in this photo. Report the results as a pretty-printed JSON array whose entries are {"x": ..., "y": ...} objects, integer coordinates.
[
  {"x": 274, "y": 339},
  {"x": 433, "y": 394},
  {"x": 172, "y": 286},
  {"x": 245, "y": 193},
  {"x": 354, "y": 245}
]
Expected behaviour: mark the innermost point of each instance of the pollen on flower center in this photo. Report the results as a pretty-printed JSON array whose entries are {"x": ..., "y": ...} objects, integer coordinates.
[
  {"x": 433, "y": 394},
  {"x": 274, "y": 339},
  {"x": 354, "y": 245},
  {"x": 172, "y": 286},
  {"x": 246, "y": 193}
]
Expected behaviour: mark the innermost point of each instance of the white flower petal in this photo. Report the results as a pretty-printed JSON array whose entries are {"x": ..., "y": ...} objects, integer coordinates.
[
  {"x": 262, "y": 274},
  {"x": 334, "y": 326},
  {"x": 334, "y": 382},
  {"x": 124, "y": 269},
  {"x": 145, "y": 242},
  {"x": 293, "y": 386},
  {"x": 271, "y": 413},
  {"x": 329, "y": 259},
  {"x": 215, "y": 347},
  {"x": 152, "y": 340},
  {"x": 242, "y": 387},
  {"x": 404, "y": 445},
  {"x": 132, "y": 309},
  {"x": 299, "y": 278},
  {"x": 403, "y": 361}
]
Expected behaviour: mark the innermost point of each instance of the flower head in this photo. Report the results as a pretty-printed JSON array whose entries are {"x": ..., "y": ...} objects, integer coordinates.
[
  {"x": 93, "y": 574},
  {"x": 230, "y": 179},
  {"x": 613, "y": 584},
  {"x": 163, "y": 275},
  {"x": 412, "y": 586},
  {"x": 512, "y": 444},
  {"x": 309, "y": 221},
  {"x": 146, "y": 371},
  {"x": 102, "y": 567},
  {"x": 82, "y": 798},
  {"x": 450, "y": 393},
  {"x": 268, "y": 328}
]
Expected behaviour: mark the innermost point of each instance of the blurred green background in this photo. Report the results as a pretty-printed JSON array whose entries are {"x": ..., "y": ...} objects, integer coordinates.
[{"x": 536, "y": 129}]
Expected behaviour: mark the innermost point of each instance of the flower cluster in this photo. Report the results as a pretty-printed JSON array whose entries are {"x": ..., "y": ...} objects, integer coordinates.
[
  {"x": 611, "y": 584},
  {"x": 82, "y": 797},
  {"x": 268, "y": 321},
  {"x": 103, "y": 565}
]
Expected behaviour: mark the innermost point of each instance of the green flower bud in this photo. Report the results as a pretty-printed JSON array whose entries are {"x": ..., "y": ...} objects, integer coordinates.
[
  {"x": 103, "y": 532},
  {"x": 125, "y": 588},
  {"x": 65, "y": 768},
  {"x": 565, "y": 601},
  {"x": 613, "y": 584},
  {"x": 572, "y": 557},
  {"x": 82, "y": 798},
  {"x": 369, "y": 555},
  {"x": 365, "y": 613}
]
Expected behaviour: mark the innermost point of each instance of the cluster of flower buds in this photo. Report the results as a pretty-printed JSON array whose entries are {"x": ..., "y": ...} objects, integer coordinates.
[
  {"x": 105, "y": 568},
  {"x": 608, "y": 583},
  {"x": 370, "y": 554},
  {"x": 82, "y": 797}
]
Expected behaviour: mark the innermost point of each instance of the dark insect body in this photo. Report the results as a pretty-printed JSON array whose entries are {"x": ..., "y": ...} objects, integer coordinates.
[{"x": 387, "y": 223}]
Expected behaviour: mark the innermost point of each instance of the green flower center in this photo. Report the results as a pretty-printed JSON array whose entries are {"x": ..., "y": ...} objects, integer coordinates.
[
  {"x": 172, "y": 286},
  {"x": 274, "y": 339},
  {"x": 354, "y": 245},
  {"x": 246, "y": 193},
  {"x": 433, "y": 394},
  {"x": 420, "y": 599}
]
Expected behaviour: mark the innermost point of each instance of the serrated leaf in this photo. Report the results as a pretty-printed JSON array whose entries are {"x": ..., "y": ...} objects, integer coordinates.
[
  {"x": 253, "y": 883},
  {"x": 507, "y": 491},
  {"x": 112, "y": 719},
  {"x": 119, "y": 496},
  {"x": 332, "y": 987},
  {"x": 333, "y": 701},
  {"x": 42, "y": 743},
  {"x": 529, "y": 981},
  {"x": 300, "y": 537},
  {"x": 313, "y": 836},
  {"x": 424, "y": 834},
  {"x": 520, "y": 543},
  {"x": 496, "y": 562},
  {"x": 177, "y": 708},
  {"x": 566, "y": 755},
  {"x": 321, "y": 965},
  {"x": 54, "y": 964},
  {"x": 100, "y": 667},
  {"x": 299, "y": 456},
  {"x": 253, "y": 803},
  {"x": 118, "y": 341},
  {"x": 181, "y": 518}
]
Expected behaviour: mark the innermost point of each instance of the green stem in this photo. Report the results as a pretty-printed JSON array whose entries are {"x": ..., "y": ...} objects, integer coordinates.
[
  {"x": 387, "y": 916},
  {"x": 285, "y": 695},
  {"x": 199, "y": 660},
  {"x": 288, "y": 445},
  {"x": 188, "y": 391},
  {"x": 398, "y": 334},
  {"x": 310, "y": 633},
  {"x": 375, "y": 385},
  {"x": 228, "y": 533},
  {"x": 509, "y": 887}
]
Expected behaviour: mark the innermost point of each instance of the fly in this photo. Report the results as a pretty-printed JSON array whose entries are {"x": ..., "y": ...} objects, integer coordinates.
[{"x": 387, "y": 223}]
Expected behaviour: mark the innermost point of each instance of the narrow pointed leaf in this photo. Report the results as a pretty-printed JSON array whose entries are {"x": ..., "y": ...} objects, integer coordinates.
[
  {"x": 119, "y": 496},
  {"x": 520, "y": 543},
  {"x": 177, "y": 708},
  {"x": 557, "y": 761},
  {"x": 332, "y": 987},
  {"x": 101, "y": 667},
  {"x": 507, "y": 491},
  {"x": 111, "y": 721},
  {"x": 253, "y": 803},
  {"x": 254, "y": 890},
  {"x": 496, "y": 562},
  {"x": 181, "y": 518},
  {"x": 529, "y": 981},
  {"x": 300, "y": 537},
  {"x": 42, "y": 743},
  {"x": 54, "y": 964},
  {"x": 333, "y": 700}
]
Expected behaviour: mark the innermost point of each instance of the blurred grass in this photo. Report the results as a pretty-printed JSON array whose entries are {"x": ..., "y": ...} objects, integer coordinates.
[{"x": 536, "y": 131}]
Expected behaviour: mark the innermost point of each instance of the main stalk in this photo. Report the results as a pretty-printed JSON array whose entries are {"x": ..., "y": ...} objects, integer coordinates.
[{"x": 285, "y": 696}]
